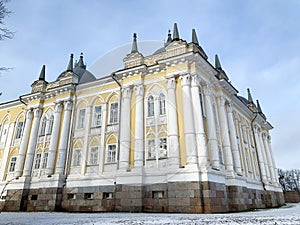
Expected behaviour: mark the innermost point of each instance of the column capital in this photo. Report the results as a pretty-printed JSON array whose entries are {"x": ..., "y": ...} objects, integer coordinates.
[
  {"x": 228, "y": 107},
  {"x": 185, "y": 80},
  {"x": 171, "y": 83},
  {"x": 269, "y": 138},
  {"x": 58, "y": 107},
  {"x": 126, "y": 92},
  {"x": 37, "y": 112},
  {"x": 264, "y": 135},
  {"x": 68, "y": 105},
  {"x": 207, "y": 89},
  {"x": 29, "y": 114},
  {"x": 195, "y": 81},
  {"x": 139, "y": 90},
  {"x": 221, "y": 100}
]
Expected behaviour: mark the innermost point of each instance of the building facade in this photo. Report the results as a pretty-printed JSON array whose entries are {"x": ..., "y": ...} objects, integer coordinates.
[{"x": 167, "y": 133}]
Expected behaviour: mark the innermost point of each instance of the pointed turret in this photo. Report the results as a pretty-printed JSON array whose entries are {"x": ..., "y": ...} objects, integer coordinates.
[
  {"x": 250, "y": 99},
  {"x": 42, "y": 73},
  {"x": 175, "y": 33},
  {"x": 258, "y": 107},
  {"x": 169, "y": 40},
  {"x": 80, "y": 62},
  {"x": 221, "y": 73},
  {"x": 70, "y": 65},
  {"x": 134, "y": 44},
  {"x": 194, "y": 37},
  {"x": 217, "y": 63}
]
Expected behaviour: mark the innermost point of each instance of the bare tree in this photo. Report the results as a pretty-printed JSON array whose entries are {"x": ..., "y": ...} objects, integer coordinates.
[{"x": 5, "y": 33}]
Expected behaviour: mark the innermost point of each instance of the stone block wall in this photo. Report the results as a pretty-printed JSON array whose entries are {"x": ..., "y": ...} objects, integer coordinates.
[
  {"x": 173, "y": 197},
  {"x": 292, "y": 196}
]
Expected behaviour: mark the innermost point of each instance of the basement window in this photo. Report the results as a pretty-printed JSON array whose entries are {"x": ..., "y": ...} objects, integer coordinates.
[
  {"x": 71, "y": 196},
  {"x": 158, "y": 194},
  {"x": 107, "y": 195},
  {"x": 34, "y": 197},
  {"x": 88, "y": 196}
]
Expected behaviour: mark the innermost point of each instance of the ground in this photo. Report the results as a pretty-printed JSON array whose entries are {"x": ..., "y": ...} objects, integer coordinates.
[{"x": 289, "y": 214}]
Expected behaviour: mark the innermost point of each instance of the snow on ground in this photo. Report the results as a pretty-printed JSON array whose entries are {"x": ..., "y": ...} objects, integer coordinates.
[{"x": 289, "y": 214}]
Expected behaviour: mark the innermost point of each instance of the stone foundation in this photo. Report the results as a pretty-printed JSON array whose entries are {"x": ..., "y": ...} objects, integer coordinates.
[{"x": 173, "y": 197}]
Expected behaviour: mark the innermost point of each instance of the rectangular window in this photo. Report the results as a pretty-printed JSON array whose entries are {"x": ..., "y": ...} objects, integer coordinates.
[
  {"x": 77, "y": 157},
  {"x": 37, "y": 161},
  {"x": 12, "y": 164},
  {"x": 108, "y": 195},
  {"x": 34, "y": 197},
  {"x": 71, "y": 196},
  {"x": 111, "y": 154},
  {"x": 19, "y": 130},
  {"x": 81, "y": 116},
  {"x": 45, "y": 160},
  {"x": 88, "y": 196},
  {"x": 158, "y": 194},
  {"x": 97, "y": 116},
  {"x": 93, "y": 156},
  {"x": 163, "y": 148},
  {"x": 151, "y": 148},
  {"x": 4, "y": 134},
  {"x": 113, "y": 117}
]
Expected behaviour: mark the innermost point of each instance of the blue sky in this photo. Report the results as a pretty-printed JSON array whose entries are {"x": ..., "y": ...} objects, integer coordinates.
[{"x": 258, "y": 44}]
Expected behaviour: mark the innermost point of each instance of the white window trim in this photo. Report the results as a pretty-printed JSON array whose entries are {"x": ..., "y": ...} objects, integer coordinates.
[
  {"x": 110, "y": 122},
  {"x": 107, "y": 151}
]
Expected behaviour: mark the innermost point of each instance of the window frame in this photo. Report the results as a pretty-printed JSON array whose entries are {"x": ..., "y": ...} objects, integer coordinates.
[
  {"x": 113, "y": 112},
  {"x": 43, "y": 126},
  {"x": 162, "y": 104},
  {"x": 76, "y": 157},
  {"x": 111, "y": 154},
  {"x": 93, "y": 156},
  {"x": 97, "y": 116},
  {"x": 81, "y": 118},
  {"x": 12, "y": 164},
  {"x": 150, "y": 106},
  {"x": 50, "y": 125},
  {"x": 37, "y": 161},
  {"x": 19, "y": 130},
  {"x": 151, "y": 149}
]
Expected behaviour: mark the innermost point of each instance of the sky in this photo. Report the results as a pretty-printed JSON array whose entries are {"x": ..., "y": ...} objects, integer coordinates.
[{"x": 258, "y": 44}]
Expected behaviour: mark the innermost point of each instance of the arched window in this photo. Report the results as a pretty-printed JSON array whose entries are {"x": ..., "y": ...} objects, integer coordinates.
[
  {"x": 162, "y": 104},
  {"x": 43, "y": 126},
  {"x": 150, "y": 102},
  {"x": 50, "y": 124}
]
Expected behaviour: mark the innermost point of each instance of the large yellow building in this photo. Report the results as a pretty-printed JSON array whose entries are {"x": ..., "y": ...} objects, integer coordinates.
[{"x": 168, "y": 133}]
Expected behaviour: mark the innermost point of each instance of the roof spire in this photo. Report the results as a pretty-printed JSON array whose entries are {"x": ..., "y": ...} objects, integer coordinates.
[
  {"x": 134, "y": 44},
  {"x": 217, "y": 63},
  {"x": 194, "y": 37},
  {"x": 258, "y": 107},
  {"x": 175, "y": 33},
  {"x": 42, "y": 74},
  {"x": 169, "y": 40},
  {"x": 250, "y": 100},
  {"x": 70, "y": 65},
  {"x": 80, "y": 62}
]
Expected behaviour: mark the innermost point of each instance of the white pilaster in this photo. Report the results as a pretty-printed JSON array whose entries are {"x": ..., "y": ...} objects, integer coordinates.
[
  {"x": 125, "y": 130},
  {"x": 225, "y": 135},
  {"x": 54, "y": 139},
  {"x": 63, "y": 142},
  {"x": 102, "y": 144},
  {"x": 273, "y": 161},
  {"x": 260, "y": 154},
  {"x": 199, "y": 126},
  {"x": 173, "y": 144},
  {"x": 5, "y": 156},
  {"x": 268, "y": 156},
  {"x": 139, "y": 127},
  {"x": 85, "y": 150},
  {"x": 211, "y": 130},
  {"x": 264, "y": 155},
  {"x": 233, "y": 141},
  {"x": 188, "y": 121},
  {"x": 32, "y": 142},
  {"x": 24, "y": 142}
]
